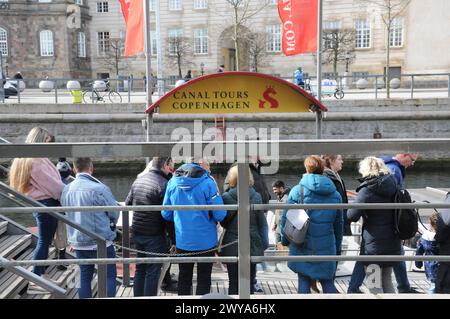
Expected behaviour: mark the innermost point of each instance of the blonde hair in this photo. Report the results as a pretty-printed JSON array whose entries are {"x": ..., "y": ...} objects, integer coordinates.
[
  {"x": 372, "y": 166},
  {"x": 39, "y": 135},
  {"x": 20, "y": 174},
  {"x": 20, "y": 171},
  {"x": 233, "y": 177}
]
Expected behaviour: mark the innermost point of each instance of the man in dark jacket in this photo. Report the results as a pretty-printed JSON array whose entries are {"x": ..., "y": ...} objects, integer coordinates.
[
  {"x": 397, "y": 166},
  {"x": 443, "y": 239},
  {"x": 149, "y": 228}
]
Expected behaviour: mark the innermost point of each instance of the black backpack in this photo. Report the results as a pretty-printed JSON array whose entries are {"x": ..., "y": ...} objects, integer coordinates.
[{"x": 406, "y": 219}]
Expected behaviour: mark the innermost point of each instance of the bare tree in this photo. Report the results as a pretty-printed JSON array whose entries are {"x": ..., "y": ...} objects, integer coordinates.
[
  {"x": 389, "y": 11},
  {"x": 178, "y": 51},
  {"x": 337, "y": 44},
  {"x": 256, "y": 49},
  {"x": 242, "y": 11},
  {"x": 113, "y": 57}
]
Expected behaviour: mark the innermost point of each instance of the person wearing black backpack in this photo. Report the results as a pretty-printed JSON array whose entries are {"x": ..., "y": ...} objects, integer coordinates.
[
  {"x": 397, "y": 166},
  {"x": 378, "y": 236},
  {"x": 443, "y": 239}
]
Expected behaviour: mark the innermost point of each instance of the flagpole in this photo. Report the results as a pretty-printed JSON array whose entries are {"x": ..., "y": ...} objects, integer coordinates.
[
  {"x": 159, "y": 49},
  {"x": 148, "y": 68},
  {"x": 319, "y": 69}
]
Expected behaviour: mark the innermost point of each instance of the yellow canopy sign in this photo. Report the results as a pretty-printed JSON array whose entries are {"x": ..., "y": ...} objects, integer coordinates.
[{"x": 236, "y": 92}]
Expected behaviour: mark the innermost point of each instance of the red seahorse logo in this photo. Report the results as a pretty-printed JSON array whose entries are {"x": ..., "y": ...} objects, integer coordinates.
[{"x": 267, "y": 98}]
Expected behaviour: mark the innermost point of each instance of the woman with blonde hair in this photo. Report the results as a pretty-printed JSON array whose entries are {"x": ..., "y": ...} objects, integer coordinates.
[
  {"x": 325, "y": 230},
  {"x": 230, "y": 223},
  {"x": 39, "y": 179},
  {"x": 378, "y": 237}
]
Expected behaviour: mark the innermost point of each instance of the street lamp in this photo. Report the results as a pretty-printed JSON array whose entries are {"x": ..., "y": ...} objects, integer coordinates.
[
  {"x": 347, "y": 61},
  {"x": 202, "y": 65}
]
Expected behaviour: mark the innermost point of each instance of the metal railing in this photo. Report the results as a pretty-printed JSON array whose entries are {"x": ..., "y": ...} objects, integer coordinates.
[
  {"x": 20, "y": 199},
  {"x": 133, "y": 89},
  {"x": 287, "y": 150}
]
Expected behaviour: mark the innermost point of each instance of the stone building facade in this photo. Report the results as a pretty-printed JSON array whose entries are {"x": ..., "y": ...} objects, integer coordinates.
[
  {"x": 42, "y": 38},
  {"x": 421, "y": 42}
]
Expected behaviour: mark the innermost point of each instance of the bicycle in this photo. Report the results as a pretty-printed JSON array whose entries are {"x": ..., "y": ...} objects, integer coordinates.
[
  {"x": 93, "y": 95},
  {"x": 338, "y": 92}
]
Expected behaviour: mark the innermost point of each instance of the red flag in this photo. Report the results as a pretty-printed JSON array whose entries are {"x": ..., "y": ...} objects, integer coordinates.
[
  {"x": 125, "y": 5},
  {"x": 134, "y": 42},
  {"x": 299, "y": 18}
]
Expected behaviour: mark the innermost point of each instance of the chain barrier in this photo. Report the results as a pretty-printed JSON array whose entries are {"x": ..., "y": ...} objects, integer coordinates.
[{"x": 174, "y": 254}]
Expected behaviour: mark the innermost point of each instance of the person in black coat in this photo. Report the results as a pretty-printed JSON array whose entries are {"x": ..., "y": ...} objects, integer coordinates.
[
  {"x": 443, "y": 239},
  {"x": 379, "y": 236},
  {"x": 149, "y": 228},
  {"x": 333, "y": 165}
]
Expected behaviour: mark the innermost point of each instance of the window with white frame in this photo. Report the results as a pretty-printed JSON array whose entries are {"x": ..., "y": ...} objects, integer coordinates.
[
  {"x": 81, "y": 45},
  {"x": 3, "y": 42},
  {"x": 79, "y": 2},
  {"x": 200, "y": 4},
  {"x": 201, "y": 41},
  {"x": 174, "y": 4},
  {"x": 330, "y": 33},
  {"x": 174, "y": 36},
  {"x": 153, "y": 43},
  {"x": 362, "y": 28},
  {"x": 45, "y": 1},
  {"x": 152, "y": 5},
  {"x": 396, "y": 34},
  {"x": 273, "y": 43},
  {"x": 102, "y": 7},
  {"x": 103, "y": 44},
  {"x": 46, "y": 42}
]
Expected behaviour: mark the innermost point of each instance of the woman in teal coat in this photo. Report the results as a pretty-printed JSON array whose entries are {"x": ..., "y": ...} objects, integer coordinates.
[{"x": 324, "y": 235}]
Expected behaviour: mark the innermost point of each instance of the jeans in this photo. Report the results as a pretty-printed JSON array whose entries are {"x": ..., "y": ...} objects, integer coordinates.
[
  {"x": 146, "y": 277},
  {"x": 233, "y": 279},
  {"x": 46, "y": 231},
  {"x": 87, "y": 273},
  {"x": 357, "y": 279},
  {"x": 203, "y": 275},
  {"x": 386, "y": 282},
  {"x": 304, "y": 285},
  {"x": 401, "y": 275}
]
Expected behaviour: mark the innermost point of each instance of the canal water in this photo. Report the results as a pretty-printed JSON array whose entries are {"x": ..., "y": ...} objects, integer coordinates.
[{"x": 120, "y": 180}]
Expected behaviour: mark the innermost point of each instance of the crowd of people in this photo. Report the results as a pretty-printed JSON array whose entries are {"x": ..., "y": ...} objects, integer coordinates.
[{"x": 195, "y": 232}]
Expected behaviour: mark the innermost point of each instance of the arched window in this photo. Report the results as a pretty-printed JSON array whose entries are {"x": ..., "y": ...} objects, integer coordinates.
[
  {"x": 46, "y": 41},
  {"x": 3, "y": 42},
  {"x": 81, "y": 45}
]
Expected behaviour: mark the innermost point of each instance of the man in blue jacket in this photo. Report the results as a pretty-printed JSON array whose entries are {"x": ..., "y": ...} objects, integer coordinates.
[
  {"x": 86, "y": 190},
  {"x": 195, "y": 230}
]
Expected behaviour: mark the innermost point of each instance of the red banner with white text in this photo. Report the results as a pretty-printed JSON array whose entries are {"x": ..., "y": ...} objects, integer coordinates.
[
  {"x": 134, "y": 42},
  {"x": 125, "y": 5},
  {"x": 299, "y": 25}
]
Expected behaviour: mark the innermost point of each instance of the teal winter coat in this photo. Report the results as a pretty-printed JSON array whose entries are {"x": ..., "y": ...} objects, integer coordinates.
[{"x": 324, "y": 236}]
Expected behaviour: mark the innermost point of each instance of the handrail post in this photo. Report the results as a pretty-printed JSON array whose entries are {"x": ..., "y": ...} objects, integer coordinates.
[
  {"x": 448, "y": 86},
  {"x": 412, "y": 86},
  {"x": 56, "y": 91},
  {"x": 126, "y": 244},
  {"x": 102, "y": 270},
  {"x": 129, "y": 89},
  {"x": 18, "y": 91},
  {"x": 243, "y": 231},
  {"x": 376, "y": 87}
]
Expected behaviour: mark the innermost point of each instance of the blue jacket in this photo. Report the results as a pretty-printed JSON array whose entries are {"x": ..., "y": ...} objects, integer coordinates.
[
  {"x": 427, "y": 246},
  {"x": 86, "y": 190},
  {"x": 396, "y": 169},
  {"x": 324, "y": 236},
  {"x": 194, "y": 230}
]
